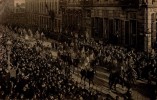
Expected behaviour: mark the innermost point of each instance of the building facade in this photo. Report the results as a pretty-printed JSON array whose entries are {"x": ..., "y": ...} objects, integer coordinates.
[
  {"x": 38, "y": 14},
  {"x": 19, "y": 8},
  {"x": 6, "y": 9},
  {"x": 124, "y": 21},
  {"x": 18, "y": 16},
  {"x": 76, "y": 15}
]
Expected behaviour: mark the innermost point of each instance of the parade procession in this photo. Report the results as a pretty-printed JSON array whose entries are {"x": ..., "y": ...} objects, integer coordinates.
[{"x": 62, "y": 50}]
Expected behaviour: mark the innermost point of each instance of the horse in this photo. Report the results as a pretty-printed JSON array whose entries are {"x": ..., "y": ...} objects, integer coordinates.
[
  {"x": 131, "y": 76},
  {"x": 87, "y": 74},
  {"x": 116, "y": 78},
  {"x": 93, "y": 64}
]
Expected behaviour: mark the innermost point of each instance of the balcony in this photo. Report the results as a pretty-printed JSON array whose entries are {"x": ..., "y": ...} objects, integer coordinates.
[
  {"x": 127, "y": 4},
  {"x": 62, "y": 3},
  {"x": 86, "y": 3}
]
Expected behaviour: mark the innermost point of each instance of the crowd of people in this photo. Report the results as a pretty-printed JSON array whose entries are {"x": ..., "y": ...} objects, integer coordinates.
[
  {"x": 143, "y": 65},
  {"x": 36, "y": 74},
  {"x": 132, "y": 64}
]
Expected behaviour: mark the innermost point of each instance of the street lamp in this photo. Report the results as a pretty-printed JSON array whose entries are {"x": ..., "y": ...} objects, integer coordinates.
[{"x": 8, "y": 44}]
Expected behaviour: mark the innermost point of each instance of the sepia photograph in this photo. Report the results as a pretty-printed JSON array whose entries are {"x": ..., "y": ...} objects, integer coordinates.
[{"x": 78, "y": 49}]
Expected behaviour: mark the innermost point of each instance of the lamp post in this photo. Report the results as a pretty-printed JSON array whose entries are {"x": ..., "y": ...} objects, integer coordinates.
[{"x": 8, "y": 44}]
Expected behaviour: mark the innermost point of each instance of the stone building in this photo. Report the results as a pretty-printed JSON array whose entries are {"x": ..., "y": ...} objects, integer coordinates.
[
  {"x": 76, "y": 15},
  {"x": 123, "y": 21},
  {"x": 38, "y": 14}
]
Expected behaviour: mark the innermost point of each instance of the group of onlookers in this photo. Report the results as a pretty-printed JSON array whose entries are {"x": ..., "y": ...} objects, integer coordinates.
[{"x": 36, "y": 74}]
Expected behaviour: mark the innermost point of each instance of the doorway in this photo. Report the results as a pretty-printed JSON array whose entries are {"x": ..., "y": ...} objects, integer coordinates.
[
  {"x": 133, "y": 32},
  {"x": 127, "y": 34}
]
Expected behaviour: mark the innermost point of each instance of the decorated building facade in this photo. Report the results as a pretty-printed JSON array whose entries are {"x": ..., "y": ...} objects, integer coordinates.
[{"x": 125, "y": 22}]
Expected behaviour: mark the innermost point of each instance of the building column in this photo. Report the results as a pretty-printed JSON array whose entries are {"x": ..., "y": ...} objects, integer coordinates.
[
  {"x": 107, "y": 28},
  {"x": 148, "y": 35},
  {"x": 153, "y": 29},
  {"x": 123, "y": 32}
]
